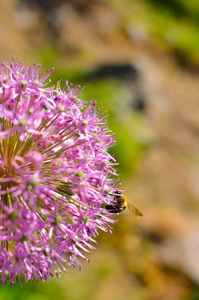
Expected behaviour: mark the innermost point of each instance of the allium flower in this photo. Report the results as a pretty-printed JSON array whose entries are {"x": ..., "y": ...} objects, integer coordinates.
[{"x": 55, "y": 175}]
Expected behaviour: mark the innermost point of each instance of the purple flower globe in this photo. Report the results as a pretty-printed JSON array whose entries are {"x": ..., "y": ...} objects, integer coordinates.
[{"x": 56, "y": 175}]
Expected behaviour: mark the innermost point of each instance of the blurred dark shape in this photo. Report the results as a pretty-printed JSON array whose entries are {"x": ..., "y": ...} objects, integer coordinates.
[
  {"x": 175, "y": 6},
  {"x": 155, "y": 237},
  {"x": 47, "y": 5},
  {"x": 127, "y": 74},
  {"x": 139, "y": 104},
  {"x": 183, "y": 61},
  {"x": 117, "y": 71},
  {"x": 43, "y": 5}
]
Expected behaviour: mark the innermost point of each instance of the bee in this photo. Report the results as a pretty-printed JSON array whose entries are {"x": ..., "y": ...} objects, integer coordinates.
[{"x": 120, "y": 204}]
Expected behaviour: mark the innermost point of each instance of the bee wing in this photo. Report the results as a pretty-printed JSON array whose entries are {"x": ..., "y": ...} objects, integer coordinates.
[{"x": 134, "y": 210}]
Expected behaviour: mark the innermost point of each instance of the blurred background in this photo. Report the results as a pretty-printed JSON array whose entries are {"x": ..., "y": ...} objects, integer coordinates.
[{"x": 140, "y": 60}]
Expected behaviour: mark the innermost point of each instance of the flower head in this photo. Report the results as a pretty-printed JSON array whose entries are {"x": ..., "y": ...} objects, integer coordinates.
[{"x": 55, "y": 174}]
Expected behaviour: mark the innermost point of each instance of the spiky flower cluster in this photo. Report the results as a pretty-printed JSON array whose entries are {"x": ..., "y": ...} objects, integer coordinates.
[{"x": 55, "y": 175}]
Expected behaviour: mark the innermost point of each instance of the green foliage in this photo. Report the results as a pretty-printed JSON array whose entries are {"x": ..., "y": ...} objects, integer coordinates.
[
  {"x": 193, "y": 295},
  {"x": 170, "y": 24},
  {"x": 175, "y": 26}
]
